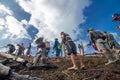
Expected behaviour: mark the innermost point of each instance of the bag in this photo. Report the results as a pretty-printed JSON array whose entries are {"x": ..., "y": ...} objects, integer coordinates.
[
  {"x": 97, "y": 35},
  {"x": 65, "y": 37},
  {"x": 60, "y": 47},
  {"x": 47, "y": 45},
  {"x": 110, "y": 37}
]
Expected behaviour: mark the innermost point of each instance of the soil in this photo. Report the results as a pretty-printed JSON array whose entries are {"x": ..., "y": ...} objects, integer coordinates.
[{"x": 95, "y": 69}]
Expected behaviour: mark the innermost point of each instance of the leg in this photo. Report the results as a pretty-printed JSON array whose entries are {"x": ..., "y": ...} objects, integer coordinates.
[
  {"x": 72, "y": 56},
  {"x": 81, "y": 63},
  {"x": 36, "y": 59}
]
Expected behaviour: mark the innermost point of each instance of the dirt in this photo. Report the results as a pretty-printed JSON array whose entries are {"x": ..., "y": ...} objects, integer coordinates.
[{"x": 95, "y": 70}]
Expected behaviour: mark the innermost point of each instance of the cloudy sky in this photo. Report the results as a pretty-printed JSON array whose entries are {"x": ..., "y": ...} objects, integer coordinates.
[{"x": 26, "y": 20}]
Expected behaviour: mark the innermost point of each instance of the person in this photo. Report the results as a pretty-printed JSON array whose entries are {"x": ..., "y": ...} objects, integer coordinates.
[
  {"x": 57, "y": 49},
  {"x": 41, "y": 51},
  {"x": 114, "y": 45},
  {"x": 63, "y": 40},
  {"x": 28, "y": 52},
  {"x": 47, "y": 45},
  {"x": 97, "y": 38},
  {"x": 118, "y": 27},
  {"x": 11, "y": 48},
  {"x": 116, "y": 17},
  {"x": 22, "y": 48},
  {"x": 19, "y": 51},
  {"x": 81, "y": 48},
  {"x": 71, "y": 50},
  {"x": 111, "y": 41}
]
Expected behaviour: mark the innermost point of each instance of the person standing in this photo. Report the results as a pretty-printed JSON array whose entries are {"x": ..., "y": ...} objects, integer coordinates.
[
  {"x": 57, "y": 49},
  {"x": 81, "y": 48},
  {"x": 97, "y": 38},
  {"x": 71, "y": 50},
  {"x": 28, "y": 52},
  {"x": 22, "y": 48},
  {"x": 41, "y": 51},
  {"x": 11, "y": 48}
]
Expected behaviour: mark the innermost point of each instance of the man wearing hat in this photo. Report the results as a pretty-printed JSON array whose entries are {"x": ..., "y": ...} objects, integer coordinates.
[
  {"x": 41, "y": 51},
  {"x": 97, "y": 38}
]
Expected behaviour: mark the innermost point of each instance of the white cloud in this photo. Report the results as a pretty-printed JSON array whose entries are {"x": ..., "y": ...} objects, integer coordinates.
[
  {"x": 15, "y": 27},
  {"x": 10, "y": 28},
  {"x": 5, "y": 10},
  {"x": 53, "y": 16}
]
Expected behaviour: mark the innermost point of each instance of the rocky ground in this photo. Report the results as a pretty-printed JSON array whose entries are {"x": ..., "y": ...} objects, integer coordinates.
[{"x": 95, "y": 70}]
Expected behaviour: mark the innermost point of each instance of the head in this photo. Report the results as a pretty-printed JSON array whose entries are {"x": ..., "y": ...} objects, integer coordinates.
[
  {"x": 118, "y": 27},
  {"x": 90, "y": 29},
  {"x": 41, "y": 39},
  {"x": 62, "y": 33},
  {"x": 8, "y": 44},
  {"x": 22, "y": 43},
  {"x": 104, "y": 33},
  {"x": 56, "y": 39}
]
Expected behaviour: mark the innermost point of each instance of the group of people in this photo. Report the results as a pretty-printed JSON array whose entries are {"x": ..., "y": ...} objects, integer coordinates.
[
  {"x": 105, "y": 44},
  {"x": 101, "y": 41},
  {"x": 19, "y": 50}
]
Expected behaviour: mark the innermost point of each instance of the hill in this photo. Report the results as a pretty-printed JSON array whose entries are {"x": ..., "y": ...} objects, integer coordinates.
[{"x": 95, "y": 70}]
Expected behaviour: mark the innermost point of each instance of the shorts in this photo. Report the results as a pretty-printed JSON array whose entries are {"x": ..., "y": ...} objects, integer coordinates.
[
  {"x": 102, "y": 45},
  {"x": 57, "y": 53},
  {"x": 71, "y": 48}
]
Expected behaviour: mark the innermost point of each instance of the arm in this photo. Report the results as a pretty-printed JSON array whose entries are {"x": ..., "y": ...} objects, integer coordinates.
[{"x": 55, "y": 45}]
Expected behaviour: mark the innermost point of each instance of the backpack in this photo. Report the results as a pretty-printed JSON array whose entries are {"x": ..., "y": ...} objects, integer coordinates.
[
  {"x": 65, "y": 37},
  {"x": 60, "y": 47},
  {"x": 47, "y": 45},
  {"x": 97, "y": 34},
  {"x": 110, "y": 37}
]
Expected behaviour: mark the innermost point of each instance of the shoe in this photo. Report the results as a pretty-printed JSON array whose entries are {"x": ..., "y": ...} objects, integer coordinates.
[
  {"x": 72, "y": 68},
  {"x": 82, "y": 67},
  {"x": 109, "y": 62}
]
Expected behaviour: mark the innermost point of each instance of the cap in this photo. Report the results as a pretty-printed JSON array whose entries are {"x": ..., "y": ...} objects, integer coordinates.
[{"x": 90, "y": 29}]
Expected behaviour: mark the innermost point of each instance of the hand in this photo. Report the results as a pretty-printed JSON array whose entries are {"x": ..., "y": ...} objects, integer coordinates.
[
  {"x": 87, "y": 46},
  {"x": 53, "y": 51}
]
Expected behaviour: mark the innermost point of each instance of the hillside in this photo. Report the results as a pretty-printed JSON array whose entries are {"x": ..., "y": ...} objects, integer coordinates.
[{"x": 95, "y": 70}]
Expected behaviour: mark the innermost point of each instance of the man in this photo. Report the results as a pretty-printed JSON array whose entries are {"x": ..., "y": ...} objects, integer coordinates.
[
  {"x": 114, "y": 45},
  {"x": 71, "y": 50},
  {"x": 28, "y": 52},
  {"x": 118, "y": 27},
  {"x": 116, "y": 17},
  {"x": 81, "y": 48},
  {"x": 97, "y": 38},
  {"x": 22, "y": 48},
  {"x": 57, "y": 49},
  {"x": 11, "y": 48},
  {"x": 41, "y": 52}
]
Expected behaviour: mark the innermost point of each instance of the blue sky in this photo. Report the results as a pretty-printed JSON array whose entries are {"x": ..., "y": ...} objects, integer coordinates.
[
  {"x": 25, "y": 20},
  {"x": 99, "y": 16}
]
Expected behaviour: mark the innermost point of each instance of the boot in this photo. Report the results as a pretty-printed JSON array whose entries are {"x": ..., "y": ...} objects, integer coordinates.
[
  {"x": 43, "y": 61},
  {"x": 116, "y": 55},
  {"x": 109, "y": 57},
  {"x": 109, "y": 62},
  {"x": 36, "y": 59}
]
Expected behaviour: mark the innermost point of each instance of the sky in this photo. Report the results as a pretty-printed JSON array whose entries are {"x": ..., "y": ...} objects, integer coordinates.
[{"x": 23, "y": 21}]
